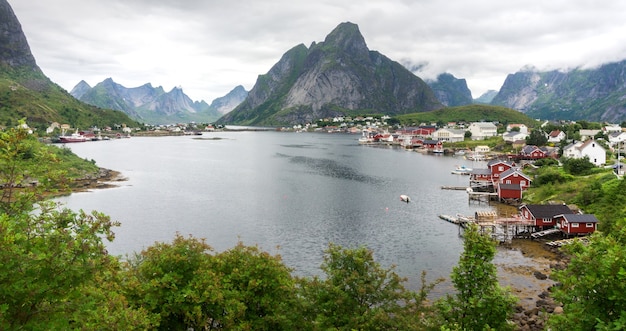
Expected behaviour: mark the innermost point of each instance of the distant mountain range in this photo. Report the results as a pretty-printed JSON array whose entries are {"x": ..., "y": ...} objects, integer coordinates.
[
  {"x": 581, "y": 94},
  {"x": 153, "y": 105},
  {"x": 25, "y": 92},
  {"x": 339, "y": 76}
]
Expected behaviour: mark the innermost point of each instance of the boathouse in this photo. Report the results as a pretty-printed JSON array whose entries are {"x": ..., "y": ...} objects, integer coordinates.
[
  {"x": 497, "y": 167},
  {"x": 576, "y": 224},
  {"x": 543, "y": 215},
  {"x": 514, "y": 176}
]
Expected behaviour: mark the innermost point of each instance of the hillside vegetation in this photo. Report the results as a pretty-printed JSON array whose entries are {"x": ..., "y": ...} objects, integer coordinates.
[
  {"x": 469, "y": 113},
  {"x": 32, "y": 96}
]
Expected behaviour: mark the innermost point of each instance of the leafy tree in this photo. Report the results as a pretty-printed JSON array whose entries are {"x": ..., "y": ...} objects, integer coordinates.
[
  {"x": 358, "y": 294},
  {"x": 581, "y": 166},
  {"x": 591, "y": 288},
  {"x": 54, "y": 269},
  {"x": 258, "y": 290},
  {"x": 177, "y": 283},
  {"x": 24, "y": 161},
  {"x": 480, "y": 303},
  {"x": 537, "y": 137},
  {"x": 187, "y": 286},
  {"x": 45, "y": 259}
]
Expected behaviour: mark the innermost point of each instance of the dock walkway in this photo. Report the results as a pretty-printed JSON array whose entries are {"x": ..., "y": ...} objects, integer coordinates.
[{"x": 544, "y": 233}]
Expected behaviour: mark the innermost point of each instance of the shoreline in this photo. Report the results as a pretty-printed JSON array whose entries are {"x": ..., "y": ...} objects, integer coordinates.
[{"x": 523, "y": 265}]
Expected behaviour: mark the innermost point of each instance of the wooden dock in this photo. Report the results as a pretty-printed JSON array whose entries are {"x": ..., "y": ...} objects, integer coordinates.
[
  {"x": 544, "y": 233},
  {"x": 457, "y": 188},
  {"x": 562, "y": 242}
]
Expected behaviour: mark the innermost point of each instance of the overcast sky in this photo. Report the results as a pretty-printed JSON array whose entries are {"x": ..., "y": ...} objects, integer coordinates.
[{"x": 208, "y": 47}]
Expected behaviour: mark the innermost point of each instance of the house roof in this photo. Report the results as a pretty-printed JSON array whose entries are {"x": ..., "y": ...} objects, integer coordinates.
[
  {"x": 589, "y": 142},
  {"x": 547, "y": 211},
  {"x": 484, "y": 125},
  {"x": 555, "y": 133},
  {"x": 481, "y": 172},
  {"x": 496, "y": 161},
  {"x": 512, "y": 171},
  {"x": 579, "y": 218}
]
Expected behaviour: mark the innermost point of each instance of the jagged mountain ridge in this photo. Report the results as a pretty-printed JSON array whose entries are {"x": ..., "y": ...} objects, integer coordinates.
[
  {"x": 26, "y": 92},
  {"x": 581, "y": 94},
  {"x": 339, "y": 76},
  {"x": 154, "y": 105},
  {"x": 451, "y": 91}
]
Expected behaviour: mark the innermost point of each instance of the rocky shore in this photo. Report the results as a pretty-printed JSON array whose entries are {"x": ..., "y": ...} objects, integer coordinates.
[
  {"x": 525, "y": 266},
  {"x": 105, "y": 178}
]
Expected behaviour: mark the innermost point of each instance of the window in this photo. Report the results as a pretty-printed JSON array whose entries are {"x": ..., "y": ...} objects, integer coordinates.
[
  {"x": 589, "y": 225},
  {"x": 508, "y": 181},
  {"x": 575, "y": 225},
  {"x": 500, "y": 168},
  {"x": 522, "y": 183}
]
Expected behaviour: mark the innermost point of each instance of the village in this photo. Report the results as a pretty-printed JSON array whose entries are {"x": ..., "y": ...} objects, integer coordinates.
[{"x": 503, "y": 179}]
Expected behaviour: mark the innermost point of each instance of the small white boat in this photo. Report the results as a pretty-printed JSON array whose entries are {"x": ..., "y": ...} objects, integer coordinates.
[
  {"x": 462, "y": 170},
  {"x": 405, "y": 198}
]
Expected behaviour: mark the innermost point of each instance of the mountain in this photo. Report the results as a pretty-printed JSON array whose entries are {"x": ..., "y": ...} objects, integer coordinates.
[
  {"x": 339, "y": 76},
  {"x": 155, "y": 106},
  {"x": 25, "y": 92},
  {"x": 451, "y": 91},
  {"x": 486, "y": 97},
  {"x": 225, "y": 104},
  {"x": 581, "y": 94}
]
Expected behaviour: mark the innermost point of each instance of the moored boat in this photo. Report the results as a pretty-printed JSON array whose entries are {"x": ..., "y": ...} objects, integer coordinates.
[
  {"x": 73, "y": 138},
  {"x": 462, "y": 170}
]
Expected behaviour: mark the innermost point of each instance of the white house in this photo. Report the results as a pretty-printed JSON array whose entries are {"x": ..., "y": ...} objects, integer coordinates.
[
  {"x": 482, "y": 130},
  {"x": 556, "y": 136},
  {"x": 616, "y": 138},
  {"x": 522, "y": 128},
  {"x": 588, "y": 134},
  {"x": 514, "y": 136},
  {"x": 450, "y": 135},
  {"x": 608, "y": 129},
  {"x": 589, "y": 148}
]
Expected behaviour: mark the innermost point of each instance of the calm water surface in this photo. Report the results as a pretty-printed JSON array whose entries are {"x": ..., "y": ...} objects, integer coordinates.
[{"x": 289, "y": 193}]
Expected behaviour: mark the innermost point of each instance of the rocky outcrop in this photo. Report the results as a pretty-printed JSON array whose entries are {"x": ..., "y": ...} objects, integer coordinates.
[
  {"x": 14, "y": 49},
  {"x": 338, "y": 76},
  {"x": 451, "y": 91}
]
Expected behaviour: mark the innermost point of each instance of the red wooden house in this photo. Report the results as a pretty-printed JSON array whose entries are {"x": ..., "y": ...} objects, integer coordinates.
[
  {"x": 497, "y": 167},
  {"x": 433, "y": 144},
  {"x": 511, "y": 184},
  {"x": 576, "y": 224},
  {"x": 532, "y": 152},
  {"x": 543, "y": 215}
]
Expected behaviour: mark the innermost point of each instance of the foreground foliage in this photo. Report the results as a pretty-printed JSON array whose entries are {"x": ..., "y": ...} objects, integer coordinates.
[
  {"x": 592, "y": 286},
  {"x": 480, "y": 303}
]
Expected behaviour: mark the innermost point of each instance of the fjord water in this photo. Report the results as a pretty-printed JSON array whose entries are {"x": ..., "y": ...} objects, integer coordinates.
[{"x": 289, "y": 193}]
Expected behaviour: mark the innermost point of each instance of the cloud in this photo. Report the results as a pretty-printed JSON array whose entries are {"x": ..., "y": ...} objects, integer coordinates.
[{"x": 209, "y": 47}]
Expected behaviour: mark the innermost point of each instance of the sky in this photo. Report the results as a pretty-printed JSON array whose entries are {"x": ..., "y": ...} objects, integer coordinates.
[{"x": 208, "y": 47}]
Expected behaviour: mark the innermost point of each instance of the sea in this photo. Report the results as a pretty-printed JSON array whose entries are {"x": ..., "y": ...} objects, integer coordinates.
[{"x": 290, "y": 194}]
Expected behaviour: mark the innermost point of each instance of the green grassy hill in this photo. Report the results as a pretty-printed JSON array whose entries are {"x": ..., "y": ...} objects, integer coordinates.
[
  {"x": 469, "y": 113},
  {"x": 29, "y": 94}
]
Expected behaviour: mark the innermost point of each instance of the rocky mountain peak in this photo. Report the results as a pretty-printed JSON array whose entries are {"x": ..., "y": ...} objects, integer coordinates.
[
  {"x": 347, "y": 37},
  {"x": 14, "y": 49}
]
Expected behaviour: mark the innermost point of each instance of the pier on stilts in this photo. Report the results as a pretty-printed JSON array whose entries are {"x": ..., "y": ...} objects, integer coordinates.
[{"x": 502, "y": 229}]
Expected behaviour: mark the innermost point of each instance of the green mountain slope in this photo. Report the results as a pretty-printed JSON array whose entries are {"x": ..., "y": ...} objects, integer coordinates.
[
  {"x": 25, "y": 92},
  {"x": 469, "y": 113}
]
